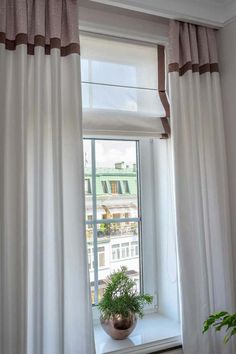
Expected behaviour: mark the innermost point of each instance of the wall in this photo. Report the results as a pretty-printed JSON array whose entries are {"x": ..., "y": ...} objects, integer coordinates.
[
  {"x": 227, "y": 57},
  {"x": 167, "y": 274}
]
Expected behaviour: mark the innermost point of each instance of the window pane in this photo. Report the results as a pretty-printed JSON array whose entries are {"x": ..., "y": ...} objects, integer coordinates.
[
  {"x": 88, "y": 180},
  {"x": 117, "y": 246},
  {"x": 90, "y": 249},
  {"x": 110, "y": 243},
  {"x": 116, "y": 179}
]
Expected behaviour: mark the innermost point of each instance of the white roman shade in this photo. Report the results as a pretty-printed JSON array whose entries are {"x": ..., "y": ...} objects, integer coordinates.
[{"x": 120, "y": 87}]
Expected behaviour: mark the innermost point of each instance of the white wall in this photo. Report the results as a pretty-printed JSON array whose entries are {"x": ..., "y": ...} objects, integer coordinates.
[
  {"x": 227, "y": 57},
  {"x": 165, "y": 227}
]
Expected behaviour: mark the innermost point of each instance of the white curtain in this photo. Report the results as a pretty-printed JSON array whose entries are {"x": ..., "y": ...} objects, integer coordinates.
[
  {"x": 202, "y": 206},
  {"x": 44, "y": 285}
]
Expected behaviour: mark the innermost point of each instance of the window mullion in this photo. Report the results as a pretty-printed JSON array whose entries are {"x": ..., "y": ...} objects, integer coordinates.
[
  {"x": 140, "y": 229},
  {"x": 94, "y": 196},
  {"x": 112, "y": 221}
]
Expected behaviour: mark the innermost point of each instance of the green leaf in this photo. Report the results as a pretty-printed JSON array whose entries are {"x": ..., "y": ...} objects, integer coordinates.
[{"x": 219, "y": 321}]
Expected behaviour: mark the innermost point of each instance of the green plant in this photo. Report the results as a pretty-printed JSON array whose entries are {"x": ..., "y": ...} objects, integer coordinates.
[
  {"x": 121, "y": 298},
  {"x": 105, "y": 229},
  {"x": 220, "y": 320}
]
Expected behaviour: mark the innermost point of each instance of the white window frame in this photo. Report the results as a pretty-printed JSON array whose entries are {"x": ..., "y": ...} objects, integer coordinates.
[
  {"x": 137, "y": 219},
  {"x": 148, "y": 258}
]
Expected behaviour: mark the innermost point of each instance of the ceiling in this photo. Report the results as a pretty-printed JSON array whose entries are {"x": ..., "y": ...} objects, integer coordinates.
[{"x": 215, "y": 13}]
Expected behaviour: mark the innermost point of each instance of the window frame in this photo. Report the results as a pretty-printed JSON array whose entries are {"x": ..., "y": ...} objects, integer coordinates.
[
  {"x": 96, "y": 222},
  {"x": 146, "y": 200}
]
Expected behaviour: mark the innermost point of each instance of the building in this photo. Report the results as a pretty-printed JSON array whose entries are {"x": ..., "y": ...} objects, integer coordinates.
[{"x": 118, "y": 243}]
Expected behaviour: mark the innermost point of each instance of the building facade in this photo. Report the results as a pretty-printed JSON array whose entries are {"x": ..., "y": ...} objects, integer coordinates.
[{"x": 117, "y": 242}]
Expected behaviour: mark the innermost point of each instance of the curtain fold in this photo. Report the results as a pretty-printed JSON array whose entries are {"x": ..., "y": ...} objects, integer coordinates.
[
  {"x": 202, "y": 205},
  {"x": 44, "y": 283}
]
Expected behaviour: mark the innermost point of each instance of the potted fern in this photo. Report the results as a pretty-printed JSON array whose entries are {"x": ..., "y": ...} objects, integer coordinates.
[
  {"x": 121, "y": 305},
  {"x": 222, "y": 320}
]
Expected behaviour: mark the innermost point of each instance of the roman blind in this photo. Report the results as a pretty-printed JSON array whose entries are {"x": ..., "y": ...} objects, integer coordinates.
[{"x": 120, "y": 87}]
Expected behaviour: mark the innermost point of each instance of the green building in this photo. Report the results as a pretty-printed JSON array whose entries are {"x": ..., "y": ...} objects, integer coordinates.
[{"x": 120, "y": 180}]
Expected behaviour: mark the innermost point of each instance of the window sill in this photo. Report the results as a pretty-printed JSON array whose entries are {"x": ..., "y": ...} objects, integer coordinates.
[{"x": 152, "y": 333}]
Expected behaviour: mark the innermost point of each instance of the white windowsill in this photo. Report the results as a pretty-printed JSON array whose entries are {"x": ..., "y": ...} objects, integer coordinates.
[{"x": 152, "y": 333}]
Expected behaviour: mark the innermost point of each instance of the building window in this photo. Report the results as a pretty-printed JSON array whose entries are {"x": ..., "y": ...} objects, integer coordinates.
[
  {"x": 115, "y": 187},
  {"x": 101, "y": 257},
  {"x": 116, "y": 216},
  {"x": 115, "y": 252},
  {"x": 89, "y": 218},
  {"x": 104, "y": 187},
  {"x": 126, "y": 187},
  {"x": 89, "y": 258},
  {"x": 113, "y": 231},
  {"x": 125, "y": 250},
  {"x": 87, "y": 186},
  {"x": 134, "y": 249}
]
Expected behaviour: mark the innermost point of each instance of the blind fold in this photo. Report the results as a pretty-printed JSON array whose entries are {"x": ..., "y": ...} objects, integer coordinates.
[{"x": 123, "y": 87}]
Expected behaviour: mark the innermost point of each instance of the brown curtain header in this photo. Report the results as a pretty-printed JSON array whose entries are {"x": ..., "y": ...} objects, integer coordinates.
[
  {"x": 45, "y": 23},
  {"x": 192, "y": 47}
]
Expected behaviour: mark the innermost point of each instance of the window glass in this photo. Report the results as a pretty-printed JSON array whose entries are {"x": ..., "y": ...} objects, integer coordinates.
[
  {"x": 88, "y": 177},
  {"x": 116, "y": 163},
  {"x": 104, "y": 187},
  {"x": 87, "y": 186},
  {"x": 110, "y": 166},
  {"x": 126, "y": 187},
  {"x": 115, "y": 187},
  {"x": 101, "y": 257}
]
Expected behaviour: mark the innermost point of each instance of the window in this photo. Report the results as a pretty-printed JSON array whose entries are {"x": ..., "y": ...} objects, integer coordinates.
[
  {"x": 134, "y": 249},
  {"x": 89, "y": 258},
  {"x": 115, "y": 252},
  {"x": 87, "y": 186},
  {"x": 114, "y": 219},
  {"x": 104, "y": 187},
  {"x": 129, "y": 214},
  {"x": 101, "y": 257},
  {"x": 126, "y": 187},
  {"x": 125, "y": 250},
  {"x": 115, "y": 187},
  {"x": 89, "y": 218}
]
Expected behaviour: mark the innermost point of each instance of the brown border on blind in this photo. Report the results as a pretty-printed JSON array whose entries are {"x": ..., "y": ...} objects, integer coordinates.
[
  {"x": 162, "y": 90},
  {"x": 39, "y": 41}
]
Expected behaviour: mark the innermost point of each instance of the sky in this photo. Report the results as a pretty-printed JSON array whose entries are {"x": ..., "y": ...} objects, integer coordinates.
[{"x": 109, "y": 152}]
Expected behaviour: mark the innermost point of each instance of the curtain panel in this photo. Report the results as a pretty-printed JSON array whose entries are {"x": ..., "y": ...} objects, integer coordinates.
[
  {"x": 202, "y": 205},
  {"x": 44, "y": 284}
]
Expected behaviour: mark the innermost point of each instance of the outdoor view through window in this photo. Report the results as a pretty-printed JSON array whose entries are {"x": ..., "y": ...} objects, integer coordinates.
[{"x": 112, "y": 210}]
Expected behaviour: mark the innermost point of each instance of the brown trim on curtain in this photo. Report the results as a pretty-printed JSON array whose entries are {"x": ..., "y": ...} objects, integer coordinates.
[
  {"x": 162, "y": 89},
  {"x": 39, "y": 41},
  {"x": 195, "y": 68}
]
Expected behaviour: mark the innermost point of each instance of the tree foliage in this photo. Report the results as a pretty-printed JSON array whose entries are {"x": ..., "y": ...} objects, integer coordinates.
[
  {"x": 221, "y": 320},
  {"x": 121, "y": 298}
]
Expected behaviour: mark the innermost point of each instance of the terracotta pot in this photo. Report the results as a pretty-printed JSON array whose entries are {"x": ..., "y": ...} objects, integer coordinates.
[{"x": 118, "y": 326}]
